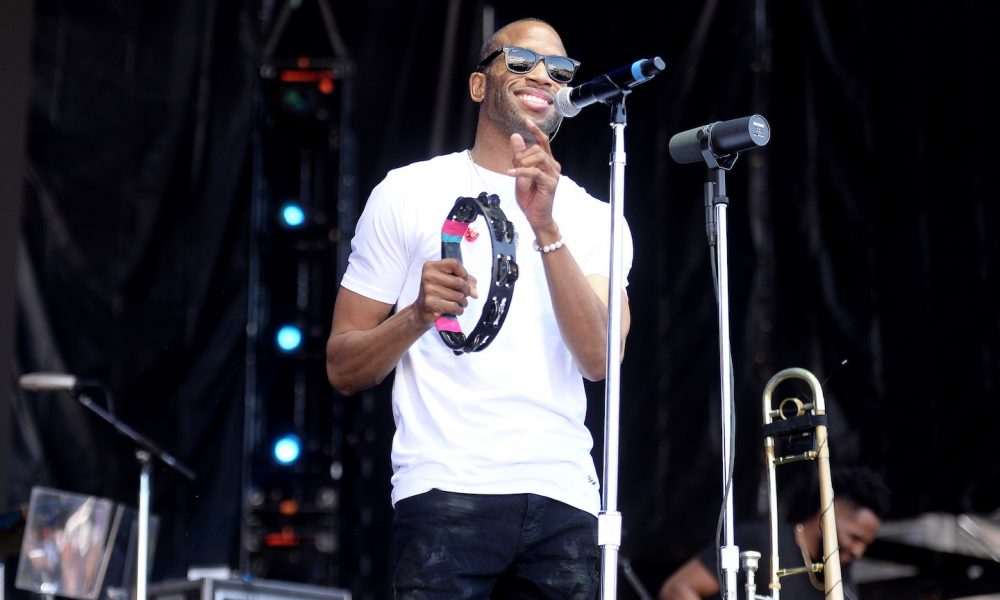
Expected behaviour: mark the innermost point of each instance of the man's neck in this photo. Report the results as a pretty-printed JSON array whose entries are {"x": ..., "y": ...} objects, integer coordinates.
[
  {"x": 491, "y": 149},
  {"x": 491, "y": 158}
]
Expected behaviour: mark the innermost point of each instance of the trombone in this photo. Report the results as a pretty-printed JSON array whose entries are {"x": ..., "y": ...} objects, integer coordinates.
[{"x": 793, "y": 417}]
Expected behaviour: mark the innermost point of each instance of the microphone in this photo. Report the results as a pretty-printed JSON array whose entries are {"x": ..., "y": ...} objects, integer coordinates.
[
  {"x": 570, "y": 101},
  {"x": 64, "y": 382},
  {"x": 50, "y": 382},
  {"x": 721, "y": 139}
]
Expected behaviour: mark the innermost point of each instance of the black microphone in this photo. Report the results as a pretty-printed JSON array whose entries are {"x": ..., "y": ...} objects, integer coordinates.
[
  {"x": 570, "y": 101},
  {"x": 51, "y": 382},
  {"x": 721, "y": 139}
]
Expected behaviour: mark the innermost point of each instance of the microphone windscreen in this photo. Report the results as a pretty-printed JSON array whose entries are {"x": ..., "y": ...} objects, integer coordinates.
[
  {"x": 47, "y": 382},
  {"x": 685, "y": 147},
  {"x": 563, "y": 105}
]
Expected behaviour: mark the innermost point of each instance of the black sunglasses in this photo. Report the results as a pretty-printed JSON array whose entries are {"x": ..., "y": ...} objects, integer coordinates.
[{"x": 521, "y": 61}]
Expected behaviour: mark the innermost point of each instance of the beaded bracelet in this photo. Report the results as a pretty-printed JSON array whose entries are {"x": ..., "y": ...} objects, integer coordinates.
[{"x": 548, "y": 247}]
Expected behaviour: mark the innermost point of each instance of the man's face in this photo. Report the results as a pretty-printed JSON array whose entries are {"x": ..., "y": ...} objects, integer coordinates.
[
  {"x": 856, "y": 529},
  {"x": 510, "y": 97}
]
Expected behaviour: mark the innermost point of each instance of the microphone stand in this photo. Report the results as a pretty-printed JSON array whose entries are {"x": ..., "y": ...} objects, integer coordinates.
[
  {"x": 145, "y": 452},
  {"x": 716, "y": 213},
  {"x": 609, "y": 520}
]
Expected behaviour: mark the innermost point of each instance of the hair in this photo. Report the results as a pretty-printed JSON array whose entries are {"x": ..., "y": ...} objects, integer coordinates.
[
  {"x": 859, "y": 485},
  {"x": 863, "y": 487},
  {"x": 493, "y": 44}
]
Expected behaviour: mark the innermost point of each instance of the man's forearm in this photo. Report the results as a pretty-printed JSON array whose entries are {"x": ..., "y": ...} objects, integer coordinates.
[
  {"x": 358, "y": 360},
  {"x": 581, "y": 314}
]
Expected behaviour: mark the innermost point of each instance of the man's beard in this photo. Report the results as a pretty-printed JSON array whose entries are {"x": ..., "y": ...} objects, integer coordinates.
[{"x": 501, "y": 110}]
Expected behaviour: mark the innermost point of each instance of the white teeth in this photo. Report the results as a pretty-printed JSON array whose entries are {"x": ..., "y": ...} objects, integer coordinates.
[{"x": 530, "y": 99}]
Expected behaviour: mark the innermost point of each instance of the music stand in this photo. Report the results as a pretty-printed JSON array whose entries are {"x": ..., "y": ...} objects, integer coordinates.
[{"x": 76, "y": 545}]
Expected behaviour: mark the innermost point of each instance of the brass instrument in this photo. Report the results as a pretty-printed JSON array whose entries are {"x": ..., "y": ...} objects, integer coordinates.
[{"x": 794, "y": 417}]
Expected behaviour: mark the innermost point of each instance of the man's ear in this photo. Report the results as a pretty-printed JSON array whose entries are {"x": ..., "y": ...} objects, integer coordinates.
[{"x": 477, "y": 86}]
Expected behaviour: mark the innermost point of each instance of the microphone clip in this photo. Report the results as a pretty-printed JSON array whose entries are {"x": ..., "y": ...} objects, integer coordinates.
[{"x": 713, "y": 160}]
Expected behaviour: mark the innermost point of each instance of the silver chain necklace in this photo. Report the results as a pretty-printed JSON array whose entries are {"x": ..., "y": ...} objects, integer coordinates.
[
  {"x": 475, "y": 169},
  {"x": 486, "y": 188}
]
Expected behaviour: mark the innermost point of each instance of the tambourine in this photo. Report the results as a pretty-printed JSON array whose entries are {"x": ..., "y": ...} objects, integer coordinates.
[{"x": 504, "y": 270}]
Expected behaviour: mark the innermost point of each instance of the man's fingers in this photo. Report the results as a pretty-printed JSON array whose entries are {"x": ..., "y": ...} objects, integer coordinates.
[
  {"x": 447, "y": 266},
  {"x": 540, "y": 136},
  {"x": 517, "y": 144},
  {"x": 450, "y": 285},
  {"x": 437, "y": 300},
  {"x": 529, "y": 172},
  {"x": 537, "y": 157},
  {"x": 445, "y": 287},
  {"x": 448, "y": 298}
]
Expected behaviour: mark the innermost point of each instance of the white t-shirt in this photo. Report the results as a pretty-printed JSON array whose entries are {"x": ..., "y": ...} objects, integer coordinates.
[{"x": 510, "y": 418}]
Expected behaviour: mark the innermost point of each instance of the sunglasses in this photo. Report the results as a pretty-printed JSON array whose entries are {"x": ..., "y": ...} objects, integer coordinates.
[{"x": 522, "y": 61}]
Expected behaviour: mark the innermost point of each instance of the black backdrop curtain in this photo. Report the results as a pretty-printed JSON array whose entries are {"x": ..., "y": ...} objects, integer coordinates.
[
  {"x": 861, "y": 233},
  {"x": 134, "y": 255}
]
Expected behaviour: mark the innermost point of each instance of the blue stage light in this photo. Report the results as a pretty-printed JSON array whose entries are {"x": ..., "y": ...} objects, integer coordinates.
[
  {"x": 289, "y": 338},
  {"x": 293, "y": 215},
  {"x": 287, "y": 449}
]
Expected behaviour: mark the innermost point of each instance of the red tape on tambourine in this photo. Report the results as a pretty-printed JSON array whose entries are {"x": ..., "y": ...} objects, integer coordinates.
[{"x": 504, "y": 270}]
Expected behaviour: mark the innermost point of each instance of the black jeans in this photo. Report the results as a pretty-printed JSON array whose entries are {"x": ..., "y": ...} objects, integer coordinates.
[{"x": 451, "y": 545}]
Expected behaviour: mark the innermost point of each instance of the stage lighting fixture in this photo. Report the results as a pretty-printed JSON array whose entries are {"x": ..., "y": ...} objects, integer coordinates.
[
  {"x": 293, "y": 215},
  {"x": 287, "y": 449},
  {"x": 304, "y": 95},
  {"x": 289, "y": 338}
]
